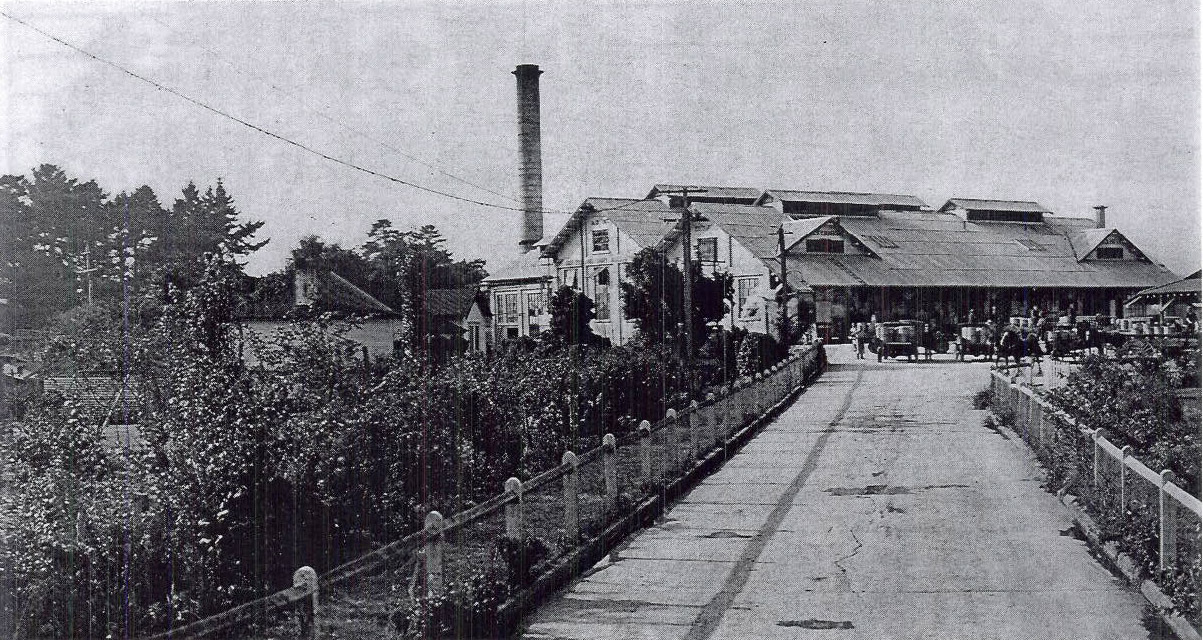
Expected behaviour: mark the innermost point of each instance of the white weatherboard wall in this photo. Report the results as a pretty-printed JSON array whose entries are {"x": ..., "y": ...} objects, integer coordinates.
[
  {"x": 622, "y": 248},
  {"x": 744, "y": 267}
]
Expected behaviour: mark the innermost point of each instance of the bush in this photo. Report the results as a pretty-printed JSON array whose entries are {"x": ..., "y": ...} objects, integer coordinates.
[
  {"x": 983, "y": 399},
  {"x": 467, "y": 609},
  {"x": 521, "y": 559}
]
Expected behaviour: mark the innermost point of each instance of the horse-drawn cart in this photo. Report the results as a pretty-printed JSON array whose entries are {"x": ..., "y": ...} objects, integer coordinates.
[{"x": 975, "y": 340}]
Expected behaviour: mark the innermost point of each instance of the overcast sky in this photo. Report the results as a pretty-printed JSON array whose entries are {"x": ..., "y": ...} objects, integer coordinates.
[{"x": 1070, "y": 104}]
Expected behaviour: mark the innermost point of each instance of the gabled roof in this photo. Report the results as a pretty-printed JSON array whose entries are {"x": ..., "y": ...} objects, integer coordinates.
[
  {"x": 754, "y": 228},
  {"x": 797, "y": 230},
  {"x": 336, "y": 293},
  {"x": 525, "y": 267},
  {"x": 735, "y": 193},
  {"x": 448, "y": 302},
  {"x": 884, "y": 200},
  {"x": 1088, "y": 240},
  {"x": 975, "y": 204},
  {"x": 941, "y": 249},
  {"x": 644, "y": 221}
]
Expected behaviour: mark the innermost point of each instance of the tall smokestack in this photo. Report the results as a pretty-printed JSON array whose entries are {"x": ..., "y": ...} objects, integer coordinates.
[
  {"x": 530, "y": 165},
  {"x": 1100, "y": 216}
]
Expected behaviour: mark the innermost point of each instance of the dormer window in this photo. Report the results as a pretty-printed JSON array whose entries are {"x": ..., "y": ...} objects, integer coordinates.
[
  {"x": 708, "y": 249},
  {"x": 824, "y": 245},
  {"x": 601, "y": 241},
  {"x": 1109, "y": 253}
]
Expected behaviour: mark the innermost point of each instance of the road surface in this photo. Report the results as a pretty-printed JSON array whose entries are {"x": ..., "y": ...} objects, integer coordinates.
[{"x": 877, "y": 506}]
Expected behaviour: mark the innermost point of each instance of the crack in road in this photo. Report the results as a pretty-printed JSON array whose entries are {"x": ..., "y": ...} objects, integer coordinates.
[
  {"x": 855, "y": 551},
  {"x": 712, "y": 613}
]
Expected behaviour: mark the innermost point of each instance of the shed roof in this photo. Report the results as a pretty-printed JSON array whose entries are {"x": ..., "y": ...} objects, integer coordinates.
[
  {"x": 940, "y": 249},
  {"x": 740, "y": 193},
  {"x": 1188, "y": 286},
  {"x": 976, "y": 204},
  {"x": 884, "y": 200}
]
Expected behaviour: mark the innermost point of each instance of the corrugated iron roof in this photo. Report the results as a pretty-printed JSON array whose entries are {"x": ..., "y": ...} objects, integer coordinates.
[
  {"x": 742, "y": 193},
  {"x": 644, "y": 221},
  {"x": 1190, "y": 284},
  {"x": 939, "y": 249},
  {"x": 976, "y": 204},
  {"x": 526, "y": 267},
  {"x": 754, "y": 228},
  {"x": 845, "y": 197}
]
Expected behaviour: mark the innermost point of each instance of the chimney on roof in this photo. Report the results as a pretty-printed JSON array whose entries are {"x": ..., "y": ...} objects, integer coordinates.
[
  {"x": 530, "y": 166},
  {"x": 1100, "y": 216}
]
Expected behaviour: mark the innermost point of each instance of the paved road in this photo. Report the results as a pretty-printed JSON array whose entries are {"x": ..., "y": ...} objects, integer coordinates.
[{"x": 878, "y": 506}]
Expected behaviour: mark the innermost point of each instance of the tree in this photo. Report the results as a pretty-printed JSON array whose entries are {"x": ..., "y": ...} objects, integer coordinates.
[
  {"x": 571, "y": 312},
  {"x": 652, "y": 296}
]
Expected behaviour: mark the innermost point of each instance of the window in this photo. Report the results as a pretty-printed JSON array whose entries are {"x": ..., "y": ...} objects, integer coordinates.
[
  {"x": 824, "y": 245},
  {"x": 1109, "y": 253},
  {"x": 534, "y": 329},
  {"x": 601, "y": 295},
  {"x": 511, "y": 306},
  {"x": 474, "y": 336},
  {"x": 744, "y": 289},
  {"x": 535, "y": 305},
  {"x": 708, "y": 249},
  {"x": 498, "y": 305},
  {"x": 511, "y": 332},
  {"x": 601, "y": 241}
]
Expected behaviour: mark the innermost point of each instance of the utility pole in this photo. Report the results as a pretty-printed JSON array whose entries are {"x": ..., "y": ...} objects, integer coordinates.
[
  {"x": 87, "y": 254},
  {"x": 784, "y": 288},
  {"x": 687, "y": 263}
]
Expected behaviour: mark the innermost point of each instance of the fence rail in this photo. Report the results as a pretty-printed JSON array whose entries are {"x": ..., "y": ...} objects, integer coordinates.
[
  {"x": 1118, "y": 480},
  {"x": 590, "y": 486}
]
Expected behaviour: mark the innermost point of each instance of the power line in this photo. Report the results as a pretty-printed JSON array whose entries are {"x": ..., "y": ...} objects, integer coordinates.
[
  {"x": 271, "y": 134},
  {"x": 305, "y": 105},
  {"x": 266, "y": 132}
]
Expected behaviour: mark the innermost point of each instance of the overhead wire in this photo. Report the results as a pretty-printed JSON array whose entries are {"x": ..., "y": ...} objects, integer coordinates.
[
  {"x": 286, "y": 140},
  {"x": 322, "y": 114}
]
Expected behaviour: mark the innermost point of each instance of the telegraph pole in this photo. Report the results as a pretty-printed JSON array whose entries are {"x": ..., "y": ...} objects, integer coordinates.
[
  {"x": 784, "y": 287},
  {"x": 687, "y": 264}
]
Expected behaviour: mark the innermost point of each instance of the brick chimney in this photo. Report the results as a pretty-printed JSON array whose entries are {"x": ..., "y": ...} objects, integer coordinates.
[
  {"x": 530, "y": 167},
  {"x": 1100, "y": 216}
]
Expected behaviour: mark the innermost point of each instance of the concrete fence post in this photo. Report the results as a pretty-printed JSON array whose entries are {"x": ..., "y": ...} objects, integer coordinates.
[
  {"x": 572, "y": 523},
  {"x": 1168, "y": 538},
  {"x": 711, "y": 433},
  {"x": 1123, "y": 477},
  {"x": 645, "y": 450},
  {"x": 1094, "y": 437},
  {"x": 610, "y": 471},
  {"x": 306, "y": 578},
  {"x": 694, "y": 423},
  {"x": 513, "y": 510},
  {"x": 434, "y": 553},
  {"x": 671, "y": 438}
]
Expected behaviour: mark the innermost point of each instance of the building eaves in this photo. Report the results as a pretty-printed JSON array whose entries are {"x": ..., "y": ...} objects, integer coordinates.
[
  {"x": 883, "y": 200},
  {"x": 638, "y": 218},
  {"x": 740, "y": 193},
  {"x": 976, "y": 204}
]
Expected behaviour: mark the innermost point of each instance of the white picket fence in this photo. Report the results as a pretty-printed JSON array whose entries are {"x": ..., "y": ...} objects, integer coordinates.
[{"x": 1115, "y": 472}]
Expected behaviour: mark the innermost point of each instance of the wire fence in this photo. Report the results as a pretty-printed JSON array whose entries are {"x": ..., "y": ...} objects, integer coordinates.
[
  {"x": 550, "y": 517},
  {"x": 1156, "y": 521}
]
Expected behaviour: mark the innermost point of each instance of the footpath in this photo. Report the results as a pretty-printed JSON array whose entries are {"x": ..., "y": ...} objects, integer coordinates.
[{"x": 877, "y": 506}]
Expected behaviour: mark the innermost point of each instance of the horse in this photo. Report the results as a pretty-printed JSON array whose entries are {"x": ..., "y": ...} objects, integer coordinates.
[{"x": 1010, "y": 345}]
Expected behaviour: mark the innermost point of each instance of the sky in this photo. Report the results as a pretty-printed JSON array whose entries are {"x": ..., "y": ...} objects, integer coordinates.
[{"x": 1070, "y": 104}]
